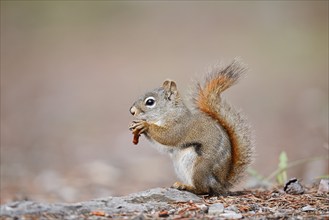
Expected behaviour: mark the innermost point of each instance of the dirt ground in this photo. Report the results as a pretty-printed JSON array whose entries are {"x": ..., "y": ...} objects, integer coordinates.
[
  {"x": 275, "y": 203},
  {"x": 252, "y": 204}
]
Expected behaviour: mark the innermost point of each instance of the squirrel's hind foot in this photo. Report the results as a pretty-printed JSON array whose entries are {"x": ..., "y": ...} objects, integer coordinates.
[{"x": 184, "y": 187}]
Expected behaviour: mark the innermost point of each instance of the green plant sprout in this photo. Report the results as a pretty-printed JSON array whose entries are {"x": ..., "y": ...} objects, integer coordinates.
[
  {"x": 280, "y": 174},
  {"x": 281, "y": 177}
]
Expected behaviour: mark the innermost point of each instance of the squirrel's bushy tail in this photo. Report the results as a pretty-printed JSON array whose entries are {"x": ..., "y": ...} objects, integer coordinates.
[{"x": 209, "y": 101}]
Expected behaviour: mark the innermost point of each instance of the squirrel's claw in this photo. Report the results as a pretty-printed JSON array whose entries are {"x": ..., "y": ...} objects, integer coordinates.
[
  {"x": 138, "y": 126},
  {"x": 134, "y": 124}
]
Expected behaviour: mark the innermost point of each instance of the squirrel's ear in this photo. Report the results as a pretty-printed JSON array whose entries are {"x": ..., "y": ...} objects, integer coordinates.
[{"x": 170, "y": 87}]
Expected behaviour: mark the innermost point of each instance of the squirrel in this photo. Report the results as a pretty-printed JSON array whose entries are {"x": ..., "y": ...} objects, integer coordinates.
[{"x": 211, "y": 144}]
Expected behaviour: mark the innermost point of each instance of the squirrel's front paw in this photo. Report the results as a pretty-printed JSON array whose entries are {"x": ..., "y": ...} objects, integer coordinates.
[{"x": 138, "y": 127}]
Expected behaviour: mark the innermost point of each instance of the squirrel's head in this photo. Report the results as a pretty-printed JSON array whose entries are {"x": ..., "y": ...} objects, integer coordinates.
[{"x": 155, "y": 104}]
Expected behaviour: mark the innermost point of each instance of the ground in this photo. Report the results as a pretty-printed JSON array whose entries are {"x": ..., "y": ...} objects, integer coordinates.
[{"x": 312, "y": 203}]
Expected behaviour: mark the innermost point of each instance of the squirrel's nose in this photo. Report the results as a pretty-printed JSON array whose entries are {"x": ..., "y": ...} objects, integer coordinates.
[{"x": 133, "y": 110}]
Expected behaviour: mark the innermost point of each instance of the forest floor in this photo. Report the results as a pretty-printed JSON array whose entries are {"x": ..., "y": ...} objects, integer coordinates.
[{"x": 278, "y": 203}]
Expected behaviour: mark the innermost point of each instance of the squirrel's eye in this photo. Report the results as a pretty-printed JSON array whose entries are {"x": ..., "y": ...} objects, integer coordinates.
[{"x": 150, "y": 102}]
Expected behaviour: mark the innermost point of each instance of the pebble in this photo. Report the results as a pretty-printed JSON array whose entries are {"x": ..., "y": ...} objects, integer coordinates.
[
  {"x": 294, "y": 187},
  {"x": 323, "y": 186},
  {"x": 308, "y": 208},
  {"x": 232, "y": 208},
  {"x": 171, "y": 211},
  {"x": 216, "y": 209},
  {"x": 231, "y": 215},
  {"x": 203, "y": 207}
]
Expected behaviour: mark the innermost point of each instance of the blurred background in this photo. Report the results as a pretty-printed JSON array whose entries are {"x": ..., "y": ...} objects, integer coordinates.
[{"x": 70, "y": 71}]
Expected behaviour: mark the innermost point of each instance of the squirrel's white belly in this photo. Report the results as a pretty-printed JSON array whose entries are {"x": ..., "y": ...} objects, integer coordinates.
[
  {"x": 183, "y": 160},
  {"x": 184, "y": 164}
]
